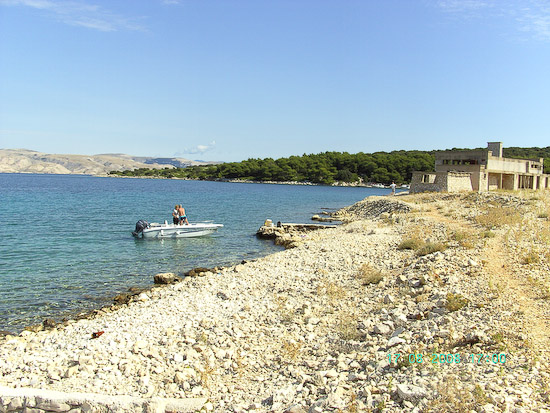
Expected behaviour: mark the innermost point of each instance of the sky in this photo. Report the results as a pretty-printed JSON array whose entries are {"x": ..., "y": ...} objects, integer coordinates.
[{"x": 228, "y": 80}]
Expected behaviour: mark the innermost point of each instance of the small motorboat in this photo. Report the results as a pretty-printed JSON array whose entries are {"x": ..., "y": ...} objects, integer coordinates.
[{"x": 166, "y": 230}]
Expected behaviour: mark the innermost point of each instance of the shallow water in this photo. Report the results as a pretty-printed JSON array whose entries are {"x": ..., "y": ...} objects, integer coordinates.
[{"x": 65, "y": 242}]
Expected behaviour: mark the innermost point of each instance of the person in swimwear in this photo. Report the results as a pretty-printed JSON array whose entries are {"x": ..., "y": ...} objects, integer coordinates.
[
  {"x": 176, "y": 215},
  {"x": 182, "y": 216}
]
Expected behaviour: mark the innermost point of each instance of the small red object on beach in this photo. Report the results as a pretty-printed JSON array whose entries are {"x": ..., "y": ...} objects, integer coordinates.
[{"x": 96, "y": 335}]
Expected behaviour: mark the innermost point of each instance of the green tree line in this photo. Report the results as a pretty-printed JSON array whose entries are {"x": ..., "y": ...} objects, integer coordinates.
[{"x": 326, "y": 168}]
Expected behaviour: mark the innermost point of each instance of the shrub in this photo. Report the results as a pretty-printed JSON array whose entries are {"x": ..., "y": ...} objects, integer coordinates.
[
  {"x": 531, "y": 258},
  {"x": 429, "y": 248},
  {"x": 411, "y": 244},
  {"x": 455, "y": 302},
  {"x": 368, "y": 275},
  {"x": 488, "y": 234},
  {"x": 460, "y": 236},
  {"x": 346, "y": 326},
  {"x": 332, "y": 290}
]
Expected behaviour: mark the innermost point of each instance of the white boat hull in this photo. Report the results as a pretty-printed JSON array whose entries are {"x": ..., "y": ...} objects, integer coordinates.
[{"x": 180, "y": 231}]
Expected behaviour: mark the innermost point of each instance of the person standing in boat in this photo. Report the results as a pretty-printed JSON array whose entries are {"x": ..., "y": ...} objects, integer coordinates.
[
  {"x": 176, "y": 215},
  {"x": 182, "y": 216}
]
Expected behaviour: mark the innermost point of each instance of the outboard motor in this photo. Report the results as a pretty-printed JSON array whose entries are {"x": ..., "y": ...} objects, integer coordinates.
[{"x": 140, "y": 226}]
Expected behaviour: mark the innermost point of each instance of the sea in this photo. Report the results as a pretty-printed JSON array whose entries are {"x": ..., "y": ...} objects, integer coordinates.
[{"x": 66, "y": 244}]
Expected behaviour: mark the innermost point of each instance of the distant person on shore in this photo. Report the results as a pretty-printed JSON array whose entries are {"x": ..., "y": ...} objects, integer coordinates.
[
  {"x": 392, "y": 186},
  {"x": 182, "y": 216},
  {"x": 176, "y": 215}
]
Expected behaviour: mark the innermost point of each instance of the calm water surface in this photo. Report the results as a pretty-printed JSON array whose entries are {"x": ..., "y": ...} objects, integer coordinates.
[{"x": 65, "y": 242}]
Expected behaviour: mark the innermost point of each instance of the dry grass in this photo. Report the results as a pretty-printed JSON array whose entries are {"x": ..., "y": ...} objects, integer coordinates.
[
  {"x": 464, "y": 239},
  {"x": 498, "y": 216},
  {"x": 369, "y": 275},
  {"x": 203, "y": 338},
  {"x": 531, "y": 258},
  {"x": 542, "y": 289},
  {"x": 283, "y": 309},
  {"x": 544, "y": 234},
  {"x": 291, "y": 350},
  {"x": 352, "y": 406},
  {"x": 455, "y": 302},
  {"x": 419, "y": 230},
  {"x": 414, "y": 241},
  {"x": 411, "y": 244},
  {"x": 206, "y": 373},
  {"x": 498, "y": 339},
  {"x": 487, "y": 234},
  {"x": 454, "y": 396},
  {"x": 497, "y": 289},
  {"x": 332, "y": 290},
  {"x": 346, "y": 326},
  {"x": 240, "y": 367},
  {"x": 430, "y": 248}
]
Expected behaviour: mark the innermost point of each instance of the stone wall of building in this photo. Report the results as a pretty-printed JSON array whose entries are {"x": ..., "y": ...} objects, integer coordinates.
[
  {"x": 441, "y": 182},
  {"x": 544, "y": 181},
  {"x": 483, "y": 182},
  {"x": 459, "y": 182},
  {"x": 426, "y": 182}
]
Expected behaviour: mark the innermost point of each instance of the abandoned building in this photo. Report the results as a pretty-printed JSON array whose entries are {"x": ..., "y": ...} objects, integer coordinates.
[{"x": 480, "y": 170}]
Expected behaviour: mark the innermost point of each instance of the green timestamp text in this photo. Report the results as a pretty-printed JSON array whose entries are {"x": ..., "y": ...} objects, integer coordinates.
[{"x": 443, "y": 358}]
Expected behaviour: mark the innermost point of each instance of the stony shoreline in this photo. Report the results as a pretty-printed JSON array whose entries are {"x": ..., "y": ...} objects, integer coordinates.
[
  {"x": 318, "y": 327},
  {"x": 246, "y": 181}
]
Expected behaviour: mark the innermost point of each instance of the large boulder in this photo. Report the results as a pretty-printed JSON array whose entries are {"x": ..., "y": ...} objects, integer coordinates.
[{"x": 166, "y": 278}]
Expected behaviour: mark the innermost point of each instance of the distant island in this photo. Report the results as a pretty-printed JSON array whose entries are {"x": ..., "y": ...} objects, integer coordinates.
[
  {"x": 28, "y": 161},
  {"x": 325, "y": 168}
]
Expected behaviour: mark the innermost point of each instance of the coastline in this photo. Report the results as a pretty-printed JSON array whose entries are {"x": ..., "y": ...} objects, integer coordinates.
[
  {"x": 241, "y": 181},
  {"x": 246, "y": 181},
  {"x": 312, "y": 326}
]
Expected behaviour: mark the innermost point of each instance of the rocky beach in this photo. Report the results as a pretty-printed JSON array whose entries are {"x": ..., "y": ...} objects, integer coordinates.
[{"x": 429, "y": 302}]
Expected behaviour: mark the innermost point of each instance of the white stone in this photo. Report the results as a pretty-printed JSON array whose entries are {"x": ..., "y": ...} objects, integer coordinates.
[
  {"x": 52, "y": 406},
  {"x": 382, "y": 329},
  {"x": 15, "y": 403},
  {"x": 71, "y": 371},
  {"x": 394, "y": 341},
  {"x": 410, "y": 392}
]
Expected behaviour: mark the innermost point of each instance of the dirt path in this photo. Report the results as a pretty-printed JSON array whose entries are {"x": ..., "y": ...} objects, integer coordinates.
[
  {"x": 516, "y": 290},
  {"x": 513, "y": 284}
]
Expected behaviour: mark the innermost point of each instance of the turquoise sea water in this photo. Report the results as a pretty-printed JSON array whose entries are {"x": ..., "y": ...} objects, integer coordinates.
[{"x": 65, "y": 242}]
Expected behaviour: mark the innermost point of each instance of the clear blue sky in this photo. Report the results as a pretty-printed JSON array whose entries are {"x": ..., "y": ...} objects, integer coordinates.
[{"x": 232, "y": 79}]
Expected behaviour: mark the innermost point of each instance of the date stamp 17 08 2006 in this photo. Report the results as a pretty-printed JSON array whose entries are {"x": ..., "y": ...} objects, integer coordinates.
[{"x": 437, "y": 358}]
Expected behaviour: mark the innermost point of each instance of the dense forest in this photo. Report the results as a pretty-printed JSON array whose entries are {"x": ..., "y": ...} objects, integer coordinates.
[{"x": 326, "y": 168}]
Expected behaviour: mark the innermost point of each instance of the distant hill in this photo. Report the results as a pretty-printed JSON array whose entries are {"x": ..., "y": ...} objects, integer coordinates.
[{"x": 27, "y": 161}]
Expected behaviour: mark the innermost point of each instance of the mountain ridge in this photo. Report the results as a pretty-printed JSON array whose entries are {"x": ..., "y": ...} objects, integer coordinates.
[{"x": 30, "y": 161}]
